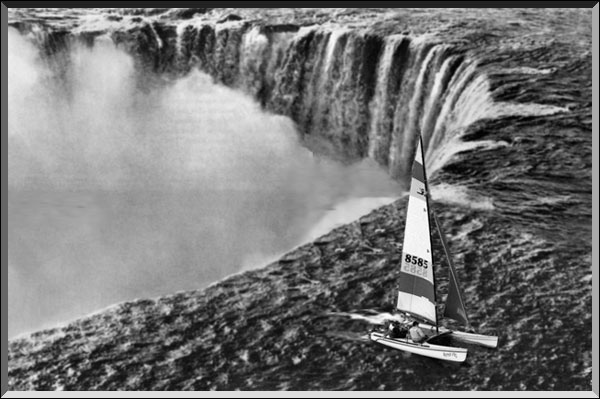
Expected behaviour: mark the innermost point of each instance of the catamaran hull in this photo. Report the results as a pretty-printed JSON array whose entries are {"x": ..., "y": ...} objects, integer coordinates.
[
  {"x": 489, "y": 341},
  {"x": 448, "y": 353}
]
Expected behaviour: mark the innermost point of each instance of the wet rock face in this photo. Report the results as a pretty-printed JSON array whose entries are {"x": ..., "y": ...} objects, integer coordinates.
[{"x": 514, "y": 197}]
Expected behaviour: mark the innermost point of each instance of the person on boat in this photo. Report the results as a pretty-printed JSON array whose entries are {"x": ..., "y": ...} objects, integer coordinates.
[
  {"x": 390, "y": 330},
  {"x": 416, "y": 334},
  {"x": 394, "y": 330},
  {"x": 402, "y": 331}
]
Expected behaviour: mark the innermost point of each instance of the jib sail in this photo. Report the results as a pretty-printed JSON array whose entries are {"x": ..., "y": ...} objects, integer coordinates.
[{"x": 455, "y": 306}]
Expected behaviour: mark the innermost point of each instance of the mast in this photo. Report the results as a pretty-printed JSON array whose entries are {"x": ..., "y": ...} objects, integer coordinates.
[{"x": 429, "y": 228}]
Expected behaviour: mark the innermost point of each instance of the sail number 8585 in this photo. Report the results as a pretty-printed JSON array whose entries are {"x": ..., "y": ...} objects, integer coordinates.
[{"x": 415, "y": 265}]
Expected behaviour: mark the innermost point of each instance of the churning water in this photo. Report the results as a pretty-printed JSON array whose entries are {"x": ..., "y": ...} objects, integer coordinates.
[{"x": 116, "y": 194}]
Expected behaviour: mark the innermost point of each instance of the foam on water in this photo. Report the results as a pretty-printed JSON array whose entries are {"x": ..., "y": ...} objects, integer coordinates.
[
  {"x": 527, "y": 70},
  {"x": 460, "y": 195},
  {"x": 376, "y": 318},
  {"x": 441, "y": 156}
]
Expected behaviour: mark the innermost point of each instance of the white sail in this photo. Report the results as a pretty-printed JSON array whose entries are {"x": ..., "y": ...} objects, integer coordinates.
[{"x": 416, "y": 284}]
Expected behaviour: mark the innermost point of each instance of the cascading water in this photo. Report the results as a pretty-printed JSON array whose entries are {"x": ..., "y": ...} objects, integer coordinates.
[
  {"x": 389, "y": 72},
  {"x": 253, "y": 49},
  {"x": 413, "y": 87},
  {"x": 359, "y": 94}
]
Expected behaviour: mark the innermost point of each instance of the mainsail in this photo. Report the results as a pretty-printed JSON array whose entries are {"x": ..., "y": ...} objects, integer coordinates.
[{"x": 417, "y": 288}]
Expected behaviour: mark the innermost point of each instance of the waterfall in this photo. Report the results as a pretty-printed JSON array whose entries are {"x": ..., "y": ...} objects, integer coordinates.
[
  {"x": 181, "y": 28},
  {"x": 462, "y": 78},
  {"x": 386, "y": 91},
  {"x": 159, "y": 41},
  {"x": 420, "y": 55},
  {"x": 277, "y": 47},
  {"x": 437, "y": 95},
  {"x": 185, "y": 34},
  {"x": 314, "y": 81},
  {"x": 361, "y": 94},
  {"x": 228, "y": 38},
  {"x": 333, "y": 42},
  {"x": 329, "y": 79},
  {"x": 252, "y": 58}
]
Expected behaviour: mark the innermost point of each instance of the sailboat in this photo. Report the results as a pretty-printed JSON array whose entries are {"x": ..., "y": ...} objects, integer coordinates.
[{"x": 417, "y": 290}]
